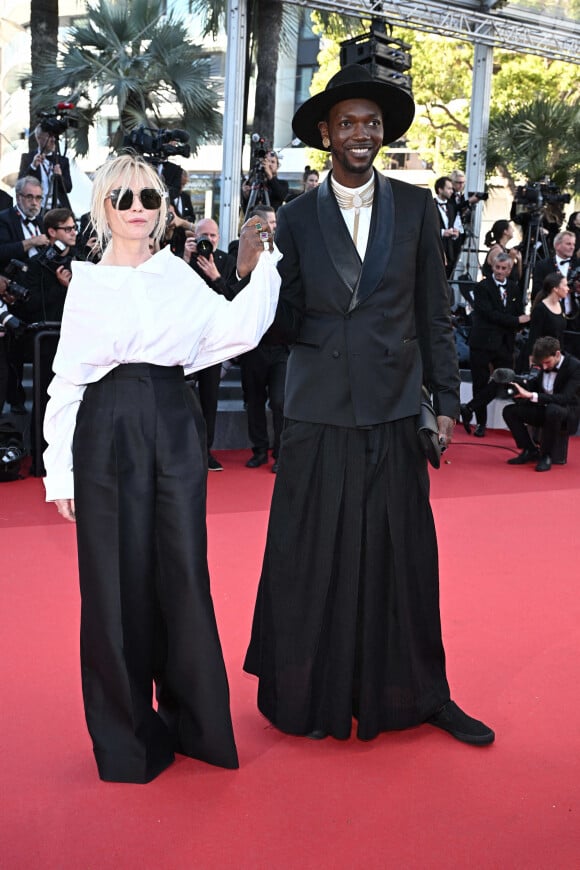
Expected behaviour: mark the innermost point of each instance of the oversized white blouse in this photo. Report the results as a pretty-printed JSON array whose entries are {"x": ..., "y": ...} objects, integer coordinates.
[{"x": 161, "y": 312}]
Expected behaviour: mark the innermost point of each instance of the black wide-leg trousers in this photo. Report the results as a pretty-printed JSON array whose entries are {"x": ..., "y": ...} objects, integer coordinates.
[{"x": 146, "y": 614}]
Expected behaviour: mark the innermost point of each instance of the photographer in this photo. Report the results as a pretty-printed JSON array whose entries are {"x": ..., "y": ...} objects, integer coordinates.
[
  {"x": 21, "y": 227},
  {"x": 552, "y": 402},
  {"x": 264, "y": 178},
  {"x": 498, "y": 313},
  {"x": 45, "y": 163},
  {"x": 218, "y": 270}
]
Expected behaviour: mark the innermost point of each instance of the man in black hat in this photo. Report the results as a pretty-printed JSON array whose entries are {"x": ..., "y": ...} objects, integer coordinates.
[{"x": 347, "y": 617}]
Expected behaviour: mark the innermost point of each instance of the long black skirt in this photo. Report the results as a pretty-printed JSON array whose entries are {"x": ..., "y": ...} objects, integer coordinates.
[
  {"x": 147, "y": 614},
  {"x": 347, "y": 614}
]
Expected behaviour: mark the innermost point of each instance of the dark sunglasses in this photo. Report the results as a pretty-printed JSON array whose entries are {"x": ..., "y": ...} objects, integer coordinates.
[{"x": 150, "y": 198}]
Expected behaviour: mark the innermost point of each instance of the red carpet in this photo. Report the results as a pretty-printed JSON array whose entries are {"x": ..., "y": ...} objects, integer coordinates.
[{"x": 417, "y": 799}]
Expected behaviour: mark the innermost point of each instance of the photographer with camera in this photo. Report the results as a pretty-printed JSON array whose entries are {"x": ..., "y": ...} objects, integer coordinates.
[
  {"x": 450, "y": 224},
  {"x": 498, "y": 313},
  {"x": 45, "y": 163},
  {"x": 218, "y": 270},
  {"x": 550, "y": 401},
  {"x": 262, "y": 186},
  {"x": 21, "y": 227}
]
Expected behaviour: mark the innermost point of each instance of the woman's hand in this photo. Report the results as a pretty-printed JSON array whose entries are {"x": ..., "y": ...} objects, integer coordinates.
[
  {"x": 66, "y": 508},
  {"x": 255, "y": 238}
]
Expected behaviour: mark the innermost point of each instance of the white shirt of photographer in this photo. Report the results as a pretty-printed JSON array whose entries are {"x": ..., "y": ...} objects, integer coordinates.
[{"x": 161, "y": 312}]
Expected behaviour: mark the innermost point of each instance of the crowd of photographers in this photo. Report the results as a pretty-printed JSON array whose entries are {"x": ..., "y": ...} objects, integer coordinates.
[{"x": 39, "y": 241}]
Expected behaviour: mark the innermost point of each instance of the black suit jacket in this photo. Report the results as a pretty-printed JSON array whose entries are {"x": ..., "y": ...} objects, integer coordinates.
[
  {"x": 365, "y": 335},
  {"x": 494, "y": 325},
  {"x": 12, "y": 236},
  {"x": 27, "y": 169},
  {"x": 566, "y": 389},
  {"x": 545, "y": 267}
]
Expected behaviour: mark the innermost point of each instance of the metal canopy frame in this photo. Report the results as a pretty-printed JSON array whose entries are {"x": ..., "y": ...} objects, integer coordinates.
[{"x": 512, "y": 28}]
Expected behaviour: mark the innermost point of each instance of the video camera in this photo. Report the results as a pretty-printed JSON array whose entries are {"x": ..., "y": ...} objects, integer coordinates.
[
  {"x": 534, "y": 195},
  {"x": 15, "y": 269},
  {"x": 156, "y": 144},
  {"x": 506, "y": 378},
  {"x": 57, "y": 120}
]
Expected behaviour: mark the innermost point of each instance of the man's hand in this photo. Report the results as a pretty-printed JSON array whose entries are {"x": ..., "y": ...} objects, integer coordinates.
[
  {"x": 66, "y": 508},
  {"x": 40, "y": 241},
  {"x": 446, "y": 426},
  {"x": 520, "y": 392},
  {"x": 254, "y": 240},
  {"x": 208, "y": 267},
  {"x": 63, "y": 275}
]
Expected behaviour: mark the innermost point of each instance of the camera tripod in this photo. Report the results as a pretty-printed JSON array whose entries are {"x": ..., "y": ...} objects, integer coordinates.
[
  {"x": 57, "y": 196},
  {"x": 258, "y": 190},
  {"x": 464, "y": 276},
  {"x": 534, "y": 239}
]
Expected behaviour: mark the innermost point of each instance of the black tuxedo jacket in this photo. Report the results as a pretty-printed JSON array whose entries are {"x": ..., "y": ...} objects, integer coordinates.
[
  {"x": 494, "y": 325},
  {"x": 365, "y": 335},
  {"x": 12, "y": 236},
  {"x": 27, "y": 169},
  {"x": 545, "y": 267},
  {"x": 566, "y": 388},
  {"x": 450, "y": 245}
]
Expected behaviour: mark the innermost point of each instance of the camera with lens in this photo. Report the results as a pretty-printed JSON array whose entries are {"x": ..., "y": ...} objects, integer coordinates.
[
  {"x": 15, "y": 269},
  {"x": 479, "y": 195},
  {"x": 53, "y": 257},
  {"x": 534, "y": 195},
  {"x": 57, "y": 120},
  {"x": 204, "y": 246},
  {"x": 506, "y": 378},
  {"x": 157, "y": 145}
]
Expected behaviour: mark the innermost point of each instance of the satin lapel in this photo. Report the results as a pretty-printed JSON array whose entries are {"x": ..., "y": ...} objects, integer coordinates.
[
  {"x": 337, "y": 238},
  {"x": 380, "y": 243}
]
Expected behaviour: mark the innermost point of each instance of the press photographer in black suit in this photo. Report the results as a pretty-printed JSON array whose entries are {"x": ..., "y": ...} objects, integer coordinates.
[
  {"x": 45, "y": 164},
  {"x": 552, "y": 402},
  {"x": 498, "y": 313},
  {"x": 218, "y": 270}
]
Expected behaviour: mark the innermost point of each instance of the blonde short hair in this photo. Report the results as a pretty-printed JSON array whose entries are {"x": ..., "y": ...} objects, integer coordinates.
[{"x": 121, "y": 172}]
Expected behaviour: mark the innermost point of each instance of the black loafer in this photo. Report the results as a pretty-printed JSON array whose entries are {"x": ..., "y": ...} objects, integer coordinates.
[
  {"x": 256, "y": 460},
  {"x": 479, "y": 431},
  {"x": 461, "y": 726},
  {"x": 317, "y": 735},
  {"x": 544, "y": 464},
  {"x": 465, "y": 414},
  {"x": 524, "y": 456}
]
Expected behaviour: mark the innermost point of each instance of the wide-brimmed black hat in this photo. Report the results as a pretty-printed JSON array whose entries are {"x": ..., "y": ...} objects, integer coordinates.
[{"x": 355, "y": 82}]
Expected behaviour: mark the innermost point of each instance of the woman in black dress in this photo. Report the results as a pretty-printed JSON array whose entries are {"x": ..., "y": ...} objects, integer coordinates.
[{"x": 547, "y": 314}]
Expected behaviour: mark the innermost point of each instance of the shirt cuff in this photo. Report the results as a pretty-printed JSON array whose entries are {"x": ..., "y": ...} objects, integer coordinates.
[
  {"x": 59, "y": 486},
  {"x": 534, "y": 398}
]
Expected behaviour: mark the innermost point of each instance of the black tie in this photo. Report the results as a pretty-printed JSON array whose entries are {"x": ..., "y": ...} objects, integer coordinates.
[{"x": 563, "y": 262}]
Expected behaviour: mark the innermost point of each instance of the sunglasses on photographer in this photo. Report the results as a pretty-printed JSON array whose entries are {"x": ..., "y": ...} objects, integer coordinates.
[{"x": 122, "y": 200}]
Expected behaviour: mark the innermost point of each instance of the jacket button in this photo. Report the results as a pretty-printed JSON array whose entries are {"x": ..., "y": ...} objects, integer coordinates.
[{"x": 336, "y": 354}]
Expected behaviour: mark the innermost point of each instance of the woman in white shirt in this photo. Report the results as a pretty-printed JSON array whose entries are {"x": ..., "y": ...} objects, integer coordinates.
[{"x": 126, "y": 458}]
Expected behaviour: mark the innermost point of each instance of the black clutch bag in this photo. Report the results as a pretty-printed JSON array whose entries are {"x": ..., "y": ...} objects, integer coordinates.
[{"x": 428, "y": 430}]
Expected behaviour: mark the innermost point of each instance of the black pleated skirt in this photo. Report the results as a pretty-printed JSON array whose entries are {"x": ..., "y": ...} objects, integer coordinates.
[
  {"x": 347, "y": 613},
  {"x": 147, "y": 614}
]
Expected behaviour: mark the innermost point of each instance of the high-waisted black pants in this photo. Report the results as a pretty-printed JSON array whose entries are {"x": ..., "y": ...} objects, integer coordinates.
[{"x": 147, "y": 614}]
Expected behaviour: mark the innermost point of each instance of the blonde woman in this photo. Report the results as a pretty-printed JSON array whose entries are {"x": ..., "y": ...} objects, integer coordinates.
[{"x": 126, "y": 459}]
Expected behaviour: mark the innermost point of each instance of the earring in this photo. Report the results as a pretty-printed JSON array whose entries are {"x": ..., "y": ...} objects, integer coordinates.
[{"x": 326, "y": 142}]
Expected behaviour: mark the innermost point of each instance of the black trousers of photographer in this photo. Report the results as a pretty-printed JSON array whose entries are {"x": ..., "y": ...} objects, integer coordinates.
[
  {"x": 147, "y": 615},
  {"x": 552, "y": 419}
]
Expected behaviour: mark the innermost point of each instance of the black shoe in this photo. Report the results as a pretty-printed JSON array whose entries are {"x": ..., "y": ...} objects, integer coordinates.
[
  {"x": 257, "y": 459},
  {"x": 466, "y": 415},
  {"x": 461, "y": 726},
  {"x": 317, "y": 735},
  {"x": 544, "y": 464},
  {"x": 213, "y": 464},
  {"x": 525, "y": 456},
  {"x": 276, "y": 467},
  {"x": 479, "y": 431}
]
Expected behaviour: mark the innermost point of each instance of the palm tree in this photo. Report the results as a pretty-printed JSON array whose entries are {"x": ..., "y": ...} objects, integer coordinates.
[
  {"x": 43, "y": 47},
  {"x": 538, "y": 140},
  {"x": 130, "y": 53},
  {"x": 273, "y": 27}
]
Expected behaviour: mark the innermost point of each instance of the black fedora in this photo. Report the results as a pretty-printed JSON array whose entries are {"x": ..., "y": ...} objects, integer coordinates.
[{"x": 355, "y": 81}]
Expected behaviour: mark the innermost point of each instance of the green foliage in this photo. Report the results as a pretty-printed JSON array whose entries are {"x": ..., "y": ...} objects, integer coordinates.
[{"x": 130, "y": 53}]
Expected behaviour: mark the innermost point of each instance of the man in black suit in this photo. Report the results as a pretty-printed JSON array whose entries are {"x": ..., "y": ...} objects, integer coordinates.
[
  {"x": 450, "y": 225},
  {"x": 565, "y": 262},
  {"x": 218, "y": 270},
  {"x": 50, "y": 168},
  {"x": 551, "y": 402},
  {"x": 498, "y": 313},
  {"x": 21, "y": 230},
  {"x": 347, "y": 616}
]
